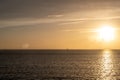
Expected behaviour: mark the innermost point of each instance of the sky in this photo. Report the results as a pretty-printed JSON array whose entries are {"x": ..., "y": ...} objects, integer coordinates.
[{"x": 57, "y": 24}]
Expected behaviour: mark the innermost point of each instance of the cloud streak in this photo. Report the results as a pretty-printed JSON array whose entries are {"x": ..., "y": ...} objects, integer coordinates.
[
  {"x": 63, "y": 12},
  {"x": 61, "y": 21}
]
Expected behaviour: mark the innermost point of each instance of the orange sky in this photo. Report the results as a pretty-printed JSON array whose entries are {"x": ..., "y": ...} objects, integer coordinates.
[{"x": 69, "y": 24}]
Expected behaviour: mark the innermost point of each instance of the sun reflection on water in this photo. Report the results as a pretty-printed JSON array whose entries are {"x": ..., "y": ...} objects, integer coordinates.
[{"x": 107, "y": 65}]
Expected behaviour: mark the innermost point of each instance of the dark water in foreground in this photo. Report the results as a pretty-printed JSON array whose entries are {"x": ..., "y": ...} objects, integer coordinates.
[{"x": 60, "y": 65}]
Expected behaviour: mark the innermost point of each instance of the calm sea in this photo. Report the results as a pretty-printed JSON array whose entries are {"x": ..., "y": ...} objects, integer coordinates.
[{"x": 60, "y": 65}]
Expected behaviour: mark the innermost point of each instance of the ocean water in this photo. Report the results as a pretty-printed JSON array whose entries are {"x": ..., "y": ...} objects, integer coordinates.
[{"x": 60, "y": 65}]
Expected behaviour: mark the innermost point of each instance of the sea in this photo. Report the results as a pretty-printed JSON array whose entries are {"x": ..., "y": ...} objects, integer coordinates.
[{"x": 60, "y": 64}]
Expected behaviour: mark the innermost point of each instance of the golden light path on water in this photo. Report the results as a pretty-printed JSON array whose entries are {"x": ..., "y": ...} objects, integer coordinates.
[{"x": 107, "y": 65}]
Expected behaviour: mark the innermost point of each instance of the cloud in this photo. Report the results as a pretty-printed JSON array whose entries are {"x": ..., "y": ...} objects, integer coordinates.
[
  {"x": 28, "y": 12},
  {"x": 61, "y": 21},
  {"x": 12, "y": 9},
  {"x": 85, "y": 30},
  {"x": 55, "y": 16},
  {"x": 75, "y": 21}
]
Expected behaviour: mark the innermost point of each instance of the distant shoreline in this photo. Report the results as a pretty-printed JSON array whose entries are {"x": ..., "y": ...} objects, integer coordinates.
[{"x": 54, "y": 51}]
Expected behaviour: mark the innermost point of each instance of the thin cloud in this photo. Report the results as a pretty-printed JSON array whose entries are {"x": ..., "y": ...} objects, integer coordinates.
[
  {"x": 55, "y": 16},
  {"x": 62, "y": 21},
  {"x": 81, "y": 30},
  {"x": 75, "y": 21}
]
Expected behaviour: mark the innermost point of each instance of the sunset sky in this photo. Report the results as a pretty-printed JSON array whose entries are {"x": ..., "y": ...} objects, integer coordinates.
[{"x": 57, "y": 24}]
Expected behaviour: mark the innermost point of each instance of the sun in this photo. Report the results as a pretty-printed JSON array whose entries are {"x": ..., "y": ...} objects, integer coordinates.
[{"x": 106, "y": 33}]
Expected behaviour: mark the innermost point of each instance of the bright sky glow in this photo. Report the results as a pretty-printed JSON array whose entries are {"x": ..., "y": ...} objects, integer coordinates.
[{"x": 106, "y": 33}]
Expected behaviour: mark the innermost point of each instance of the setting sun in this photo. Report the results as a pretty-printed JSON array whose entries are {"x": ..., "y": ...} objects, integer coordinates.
[{"x": 106, "y": 33}]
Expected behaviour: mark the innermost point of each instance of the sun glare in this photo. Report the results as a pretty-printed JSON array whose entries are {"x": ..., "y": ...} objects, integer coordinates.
[{"x": 106, "y": 33}]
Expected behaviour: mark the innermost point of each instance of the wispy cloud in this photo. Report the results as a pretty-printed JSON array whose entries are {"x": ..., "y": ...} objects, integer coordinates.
[
  {"x": 75, "y": 21},
  {"x": 55, "y": 16},
  {"x": 90, "y": 30},
  {"x": 62, "y": 21}
]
